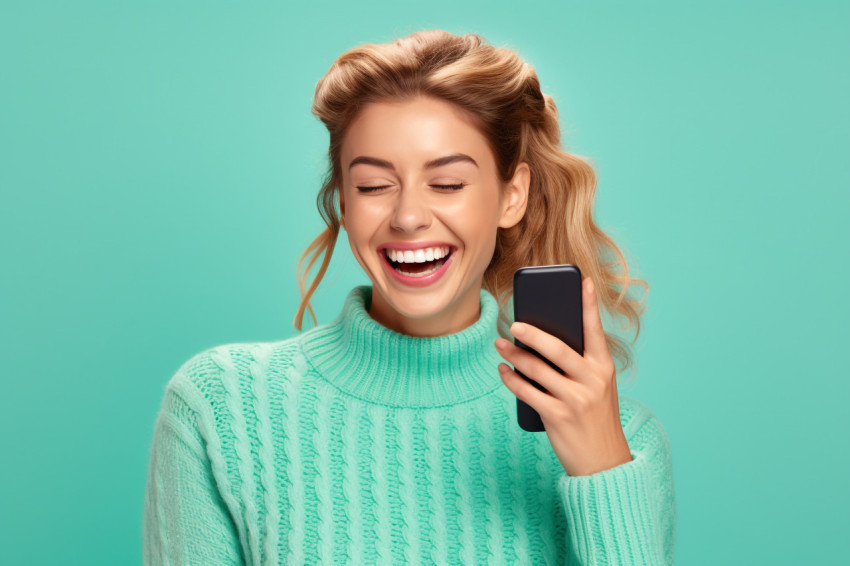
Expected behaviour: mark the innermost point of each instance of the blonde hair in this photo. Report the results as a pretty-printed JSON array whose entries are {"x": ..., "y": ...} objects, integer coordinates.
[{"x": 501, "y": 93}]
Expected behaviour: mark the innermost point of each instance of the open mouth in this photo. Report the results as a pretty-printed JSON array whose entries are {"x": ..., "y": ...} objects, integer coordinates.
[{"x": 417, "y": 268}]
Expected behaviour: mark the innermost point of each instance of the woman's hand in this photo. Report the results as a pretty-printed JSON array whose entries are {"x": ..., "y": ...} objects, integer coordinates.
[{"x": 581, "y": 411}]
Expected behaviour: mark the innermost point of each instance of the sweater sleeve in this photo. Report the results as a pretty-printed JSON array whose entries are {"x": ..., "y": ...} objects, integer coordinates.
[
  {"x": 626, "y": 514},
  {"x": 185, "y": 520}
]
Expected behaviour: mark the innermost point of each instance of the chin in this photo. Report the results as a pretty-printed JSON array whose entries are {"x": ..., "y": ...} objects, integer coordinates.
[{"x": 413, "y": 303}]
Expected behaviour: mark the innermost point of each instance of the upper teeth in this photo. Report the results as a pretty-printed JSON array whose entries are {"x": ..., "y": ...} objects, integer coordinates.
[{"x": 418, "y": 256}]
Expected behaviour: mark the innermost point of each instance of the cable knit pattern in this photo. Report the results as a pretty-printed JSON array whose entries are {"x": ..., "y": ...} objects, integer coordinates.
[{"x": 351, "y": 443}]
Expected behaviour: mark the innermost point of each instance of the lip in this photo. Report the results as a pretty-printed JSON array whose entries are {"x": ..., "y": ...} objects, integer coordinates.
[{"x": 416, "y": 281}]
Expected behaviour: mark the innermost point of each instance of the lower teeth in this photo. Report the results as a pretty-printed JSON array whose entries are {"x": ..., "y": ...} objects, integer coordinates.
[{"x": 423, "y": 273}]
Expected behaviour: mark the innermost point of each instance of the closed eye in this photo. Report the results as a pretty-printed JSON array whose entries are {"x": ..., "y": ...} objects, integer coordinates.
[{"x": 449, "y": 187}]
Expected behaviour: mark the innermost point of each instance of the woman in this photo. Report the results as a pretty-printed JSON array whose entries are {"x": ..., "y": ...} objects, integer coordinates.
[{"x": 386, "y": 435}]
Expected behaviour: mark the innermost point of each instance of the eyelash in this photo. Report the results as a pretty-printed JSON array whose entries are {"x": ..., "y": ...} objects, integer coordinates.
[{"x": 456, "y": 187}]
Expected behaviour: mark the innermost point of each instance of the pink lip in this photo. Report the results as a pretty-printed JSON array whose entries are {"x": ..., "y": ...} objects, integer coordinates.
[{"x": 415, "y": 281}]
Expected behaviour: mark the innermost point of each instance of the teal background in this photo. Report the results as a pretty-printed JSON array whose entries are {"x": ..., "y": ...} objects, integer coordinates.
[{"x": 159, "y": 172}]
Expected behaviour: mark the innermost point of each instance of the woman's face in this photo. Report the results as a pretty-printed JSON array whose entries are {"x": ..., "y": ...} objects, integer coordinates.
[{"x": 427, "y": 202}]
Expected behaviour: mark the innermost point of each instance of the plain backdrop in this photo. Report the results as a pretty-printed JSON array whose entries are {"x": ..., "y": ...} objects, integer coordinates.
[{"x": 159, "y": 167}]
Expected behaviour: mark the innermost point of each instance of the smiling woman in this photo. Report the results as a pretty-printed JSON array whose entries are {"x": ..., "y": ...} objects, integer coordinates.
[
  {"x": 400, "y": 193},
  {"x": 387, "y": 434}
]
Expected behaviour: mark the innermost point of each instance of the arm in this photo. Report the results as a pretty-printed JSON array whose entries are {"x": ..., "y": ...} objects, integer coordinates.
[
  {"x": 185, "y": 520},
  {"x": 626, "y": 514},
  {"x": 617, "y": 481}
]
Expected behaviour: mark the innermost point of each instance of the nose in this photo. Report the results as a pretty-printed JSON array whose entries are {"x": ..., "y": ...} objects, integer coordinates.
[{"x": 411, "y": 212}]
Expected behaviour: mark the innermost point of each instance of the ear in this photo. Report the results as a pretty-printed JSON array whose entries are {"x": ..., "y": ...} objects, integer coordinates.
[{"x": 515, "y": 197}]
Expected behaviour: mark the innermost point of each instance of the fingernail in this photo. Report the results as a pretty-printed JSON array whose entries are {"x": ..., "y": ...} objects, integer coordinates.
[{"x": 517, "y": 328}]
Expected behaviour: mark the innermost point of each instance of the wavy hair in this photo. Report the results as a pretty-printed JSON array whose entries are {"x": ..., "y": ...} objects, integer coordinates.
[{"x": 501, "y": 93}]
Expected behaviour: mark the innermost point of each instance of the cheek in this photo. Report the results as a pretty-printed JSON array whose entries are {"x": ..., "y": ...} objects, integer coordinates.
[
  {"x": 477, "y": 223},
  {"x": 366, "y": 212},
  {"x": 358, "y": 240},
  {"x": 358, "y": 218},
  {"x": 479, "y": 204},
  {"x": 360, "y": 250},
  {"x": 361, "y": 225}
]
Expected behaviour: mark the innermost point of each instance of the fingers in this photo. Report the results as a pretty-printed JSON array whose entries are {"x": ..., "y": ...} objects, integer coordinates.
[
  {"x": 550, "y": 347},
  {"x": 559, "y": 386},
  {"x": 577, "y": 370},
  {"x": 595, "y": 346},
  {"x": 542, "y": 402}
]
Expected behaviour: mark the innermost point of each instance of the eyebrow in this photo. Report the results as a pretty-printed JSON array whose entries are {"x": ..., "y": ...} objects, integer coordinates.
[{"x": 439, "y": 162}]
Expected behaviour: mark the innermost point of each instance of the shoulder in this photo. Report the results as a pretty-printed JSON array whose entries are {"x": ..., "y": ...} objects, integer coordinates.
[{"x": 211, "y": 375}]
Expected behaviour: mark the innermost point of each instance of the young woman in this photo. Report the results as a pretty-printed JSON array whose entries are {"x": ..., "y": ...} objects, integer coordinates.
[{"x": 388, "y": 435}]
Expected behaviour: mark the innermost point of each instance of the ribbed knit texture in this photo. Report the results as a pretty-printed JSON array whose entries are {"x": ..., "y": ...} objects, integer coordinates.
[{"x": 352, "y": 443}]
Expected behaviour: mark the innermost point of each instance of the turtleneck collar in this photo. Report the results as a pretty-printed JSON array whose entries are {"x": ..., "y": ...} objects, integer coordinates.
[{"x": 362, "y": 357}]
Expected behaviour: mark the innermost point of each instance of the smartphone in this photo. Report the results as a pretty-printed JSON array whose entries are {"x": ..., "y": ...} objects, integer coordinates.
[{"x": 548, "y": 297}]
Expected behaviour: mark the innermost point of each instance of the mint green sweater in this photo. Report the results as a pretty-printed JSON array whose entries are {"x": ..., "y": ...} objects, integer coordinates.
[{"x": 351, "y": 443}]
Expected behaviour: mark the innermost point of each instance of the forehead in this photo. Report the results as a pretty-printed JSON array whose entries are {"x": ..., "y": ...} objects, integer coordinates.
[{"x": 409, "y": 133}]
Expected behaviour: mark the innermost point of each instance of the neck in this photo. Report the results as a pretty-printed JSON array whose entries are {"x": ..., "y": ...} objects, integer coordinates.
[
  {"x": 454, "y": 318},
  {"x": 368, "y": 360}
]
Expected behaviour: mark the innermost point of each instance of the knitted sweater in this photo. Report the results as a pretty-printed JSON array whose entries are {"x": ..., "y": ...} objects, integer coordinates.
[{"x": 352, "y": 443}]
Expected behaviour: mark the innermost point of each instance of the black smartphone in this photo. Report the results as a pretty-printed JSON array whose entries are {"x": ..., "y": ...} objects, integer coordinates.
[{"x": 548, "y": 297}]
